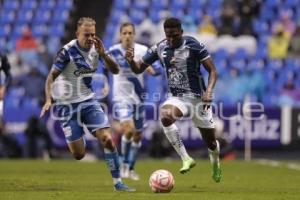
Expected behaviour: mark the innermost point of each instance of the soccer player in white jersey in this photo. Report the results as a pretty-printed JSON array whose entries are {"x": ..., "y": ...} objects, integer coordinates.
[
  {"x": 182, "y": 57},
  {"x": 5, "y": 78},
  {"x": 128, "y": 89},
  {"x": 71, "y": 75}
]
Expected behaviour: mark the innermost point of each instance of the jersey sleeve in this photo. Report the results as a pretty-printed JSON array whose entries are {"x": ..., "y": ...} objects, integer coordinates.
[
  {"x": 202, "y": 52},
  {"x": 151, "y": 55},
  {"x": 61, "y": 60}
]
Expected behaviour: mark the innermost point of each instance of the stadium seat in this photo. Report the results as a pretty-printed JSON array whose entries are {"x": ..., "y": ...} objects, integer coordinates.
[
  {"x": 140, "y": 4},
  {"x": 137, "y": 16},
  {"x": 11, "y": 5},
  {"x": 42, "y": 17},
  {"x": 39, "y": 30},
  {"x": 7, "y": 16},
  {"x": 160, "y": 4},
  {"x": 121, "y": 4},
  {"x": 5, "y": 31},
  {"x": 46, "y": 5},
  {"x": 24, "y": 16},
  {"x": 29, "y": 4}
]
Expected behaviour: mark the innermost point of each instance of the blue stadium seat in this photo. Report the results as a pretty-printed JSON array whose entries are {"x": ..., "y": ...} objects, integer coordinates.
[
  {"x": 46, "y": 5},
  {"x": 240, "y": 54},
  {"x": 140, "y": 4},
  {"x": 121, "y": 4},
  {"x": 42, "y": 17},
  {"x": 64, "y": 5},
  {"x": 57, "y": 30},
  {"x": 196, "y": 13},
  {"x": 5, "y": 31},
  {"x": 221, "y": 54},
  {"x": 178, "y": 13},
  {"x": 255, "y": 64},
  {"x": 154, "y": 16},
  {"x": 270, "y": 4},
  {"x": 137, "y": 16},
  {"x": 160, "y": 4},
  {"x": 261, "y": 52},
  {"x": 29, "y": 4},
  {"x": 59, "y": 17},
  {"x": 197, "y": 3},
  {"x": 7, "y": 16},
  {"x": 267, "y": 13},
  {"x": 178, "y": 4},
  {"x": 24, "y": 17},
  {"x": 115, "y": 16},
  {"x": 261, "y": 27},
  {"x": 39, "y": 30},
  {"x": 11, "y": 5}
]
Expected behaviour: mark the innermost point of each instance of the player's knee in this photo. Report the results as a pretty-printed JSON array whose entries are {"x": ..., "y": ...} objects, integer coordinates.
[
  {"x": 167, "y": 120},
  {"x": 78, "y": 155},
  {"x": 128, "y": 130},
  {"x": 137, "y": 137},
  {"x": 107, "y": 142}
]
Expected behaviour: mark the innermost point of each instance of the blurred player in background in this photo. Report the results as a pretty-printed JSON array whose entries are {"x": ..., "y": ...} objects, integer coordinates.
[
  {"x": 72, "y": 74},
  {"x": 182, "y": 57},
  {"x": 5, "y": 78},
  {"x": 128, "y": 89}
]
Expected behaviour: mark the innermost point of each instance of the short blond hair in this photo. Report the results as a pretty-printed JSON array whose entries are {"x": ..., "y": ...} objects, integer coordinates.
[{"x": 83, "y": 20}]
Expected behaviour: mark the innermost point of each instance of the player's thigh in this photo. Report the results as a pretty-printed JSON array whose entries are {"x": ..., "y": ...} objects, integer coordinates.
[
  {"x": 67, "y": 117},
  {"x": 173, "y": 109},
  {"x": 203, "y": 118},
  {"x": 93, "y": 117},
  {"x": 128, "y": 126},
  {"x": 2, "y": 91}
]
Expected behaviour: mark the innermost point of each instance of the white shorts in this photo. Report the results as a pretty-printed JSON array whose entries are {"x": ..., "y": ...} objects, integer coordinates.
[{"x": 194, "y": 109}]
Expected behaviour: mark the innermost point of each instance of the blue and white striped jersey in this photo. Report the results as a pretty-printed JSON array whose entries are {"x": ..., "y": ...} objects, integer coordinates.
[
  {"x": 77, "y": 67},
  {"x": 182, "y": 65},
  {"x": 127, "y": 86}
]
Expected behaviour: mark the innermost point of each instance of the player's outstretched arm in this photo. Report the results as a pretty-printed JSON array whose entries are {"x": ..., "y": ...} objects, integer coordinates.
[
  {"x": 212, "y": 79},
  {"x": 136, "y": 67},
  {"x": 109, "y": 63},
  {"x": 53, "y": 74}
]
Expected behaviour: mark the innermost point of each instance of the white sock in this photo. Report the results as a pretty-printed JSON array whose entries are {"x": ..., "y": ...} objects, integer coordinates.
[
  {"x": 1, "y": 108},
  {"x": 172, "y": 133},
  {"x": 214, "y": 154}
]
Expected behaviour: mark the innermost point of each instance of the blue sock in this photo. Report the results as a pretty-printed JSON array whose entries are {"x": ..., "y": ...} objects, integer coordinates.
[
  {"x": 112, "y": 161},
  {"x": 134, "y": 149},
  {"x": 125, "y": 148}
]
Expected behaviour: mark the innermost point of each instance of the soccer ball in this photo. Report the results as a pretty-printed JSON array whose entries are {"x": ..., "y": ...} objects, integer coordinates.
[{"x": 161, "y": 181}]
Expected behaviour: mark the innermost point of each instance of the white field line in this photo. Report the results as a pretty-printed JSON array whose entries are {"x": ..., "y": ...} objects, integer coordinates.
[{"x": 274, "y": 163}]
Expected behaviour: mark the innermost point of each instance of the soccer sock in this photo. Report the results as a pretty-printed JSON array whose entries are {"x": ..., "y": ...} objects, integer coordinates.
[
  {"x": 1, "y": 109},
  {"x": 112, "y": 161},
  {"x": 134, "y": 149},
  {"x": 125, "y": 148},
  {"x": 172, "y": 133},
  {"x": 214, "y": 154}
]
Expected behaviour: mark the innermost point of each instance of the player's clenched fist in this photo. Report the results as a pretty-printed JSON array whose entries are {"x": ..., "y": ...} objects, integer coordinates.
[{"x": 129, "y": 55}]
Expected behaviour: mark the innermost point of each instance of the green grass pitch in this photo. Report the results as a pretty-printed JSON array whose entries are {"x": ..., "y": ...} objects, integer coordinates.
[{"x": 27, "y": 179}]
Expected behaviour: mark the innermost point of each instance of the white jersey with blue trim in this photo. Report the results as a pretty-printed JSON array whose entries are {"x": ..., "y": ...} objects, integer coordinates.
[
  {"x": 77, "y": 67},
  {"x": 127, "y": 86},
  {"x": 182, "y": 65}
]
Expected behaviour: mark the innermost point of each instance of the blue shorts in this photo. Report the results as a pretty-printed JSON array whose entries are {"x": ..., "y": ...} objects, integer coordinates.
[
  {"x": 73, "y": 116},
  {"x": 136, "y": 112}
]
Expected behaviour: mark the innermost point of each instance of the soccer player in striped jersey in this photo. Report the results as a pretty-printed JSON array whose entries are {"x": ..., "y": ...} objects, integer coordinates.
[
  {"x": 71, "y": 76},
  {"x": 128, "y": 89},
  {"x": 182, "y": 57}
]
